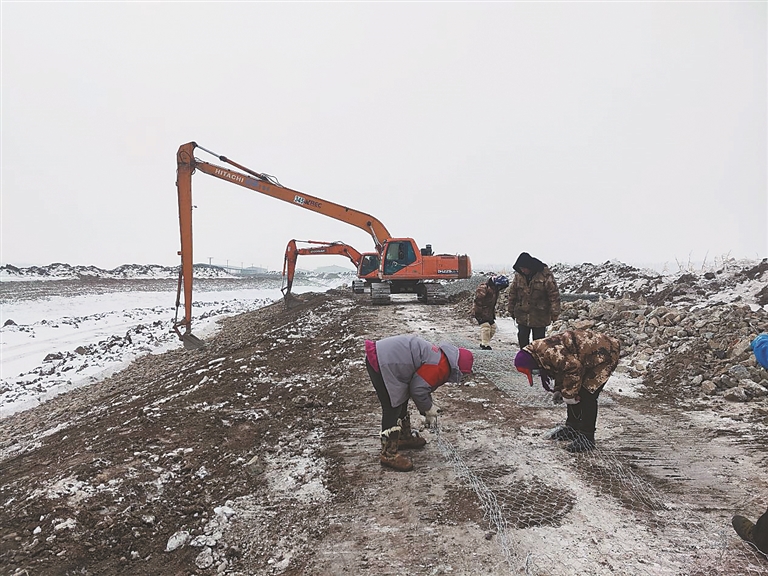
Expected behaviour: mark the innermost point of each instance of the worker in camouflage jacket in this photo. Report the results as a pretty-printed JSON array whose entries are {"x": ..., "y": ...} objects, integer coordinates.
[
  {"x": 534, "y": 298},
  {"x": 484, "y": 307},
  {"x": 409, "y": 367},
  {"x": 574, "y": 366}
]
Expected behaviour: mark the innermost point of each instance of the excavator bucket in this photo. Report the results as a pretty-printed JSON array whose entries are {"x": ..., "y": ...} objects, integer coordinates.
[
  {"x": 192, "y": 342},
  {"x": 289, "y": 298}
]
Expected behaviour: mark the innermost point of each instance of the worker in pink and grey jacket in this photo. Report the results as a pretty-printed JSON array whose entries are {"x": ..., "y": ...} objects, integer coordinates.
[{"x": 404, "y": 368}]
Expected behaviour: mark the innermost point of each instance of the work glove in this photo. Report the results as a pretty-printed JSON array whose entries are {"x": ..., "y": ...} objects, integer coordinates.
[
  {"x": 557, "y": 397},
  {"x": 431, "y": 417},
  {"x": 545, "y": 381},
  {"x": 575, "y": 400}
]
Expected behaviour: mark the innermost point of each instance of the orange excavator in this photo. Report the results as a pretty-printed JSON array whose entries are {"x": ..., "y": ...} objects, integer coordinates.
[
  {"x": 367, "y": 264},
  {"x": 404, "y": 268}
]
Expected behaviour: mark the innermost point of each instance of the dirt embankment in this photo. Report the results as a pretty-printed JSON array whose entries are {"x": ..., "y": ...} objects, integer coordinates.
[{"x": 258, "y": 455}]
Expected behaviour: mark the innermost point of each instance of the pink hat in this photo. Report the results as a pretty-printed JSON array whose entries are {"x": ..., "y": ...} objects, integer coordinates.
[
  {"x": 465, "y": 361},
  {"x": 524, "y": 363}
]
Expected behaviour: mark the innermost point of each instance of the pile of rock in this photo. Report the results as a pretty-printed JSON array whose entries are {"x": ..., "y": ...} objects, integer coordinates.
[
  {"x": 678, "y": 350},
  {"x": 733, "y": 280},
  {"x": 684, "y": 334}
]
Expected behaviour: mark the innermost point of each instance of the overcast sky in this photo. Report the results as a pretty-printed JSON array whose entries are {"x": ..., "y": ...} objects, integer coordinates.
[{"x": 578, "y": 132}]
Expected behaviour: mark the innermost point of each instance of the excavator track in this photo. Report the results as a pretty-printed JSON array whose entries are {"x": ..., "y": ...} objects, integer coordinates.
[
  {"x": 358, "y": 286},
  {"x": 380, "y": 293},
  {"x": 435, "y": 293}
]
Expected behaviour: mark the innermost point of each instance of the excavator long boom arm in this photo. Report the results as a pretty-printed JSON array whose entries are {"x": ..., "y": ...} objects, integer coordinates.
[
  {"x": 269, "y": 186},
  {"x": 186, "y": 166},
  {"x": 292, "y": 253}
]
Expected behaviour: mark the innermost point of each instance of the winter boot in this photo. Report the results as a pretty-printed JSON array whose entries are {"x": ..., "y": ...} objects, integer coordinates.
[
  {"x": 485, "y": 336},
  {"x": 563, "y": 433},
  {"x": 581, "y": 443},
  {"x": 409, "y": 438},
  {"x": 755, "y": 534},
  {"x": 743, "y": 527},
  {"x": 760, "y": 533},
  {"x": 389, "y": 456}
]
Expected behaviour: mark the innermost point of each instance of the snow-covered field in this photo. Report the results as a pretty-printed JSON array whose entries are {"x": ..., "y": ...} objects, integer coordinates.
[{"x": 55, "y": 336}]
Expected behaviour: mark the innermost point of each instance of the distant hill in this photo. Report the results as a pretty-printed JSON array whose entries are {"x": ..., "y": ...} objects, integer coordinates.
[{"x": 59, "y": 271}]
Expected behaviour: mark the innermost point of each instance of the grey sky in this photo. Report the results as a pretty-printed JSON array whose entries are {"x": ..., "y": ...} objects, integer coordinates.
[{"x": 579, "y": 132}]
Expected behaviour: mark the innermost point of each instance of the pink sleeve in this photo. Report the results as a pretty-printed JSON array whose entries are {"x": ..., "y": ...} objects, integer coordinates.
[{"x": 370, "y": 353}]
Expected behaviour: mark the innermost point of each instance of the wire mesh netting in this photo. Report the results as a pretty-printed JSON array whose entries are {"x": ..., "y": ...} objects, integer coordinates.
[{"x": 558, "y": 500}]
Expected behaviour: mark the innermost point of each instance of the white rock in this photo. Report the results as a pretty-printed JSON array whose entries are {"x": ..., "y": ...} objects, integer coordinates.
[
  {"x": 753, "y": 389},
  {"x": 202, "y": 540},
  {"x": 204, "y": 559},
  {"x": 736, "y": 394},
  {"x": 68, "y": 523},
  {"x": 225, "y": 511},
  {"x": 177, "y": 540}
]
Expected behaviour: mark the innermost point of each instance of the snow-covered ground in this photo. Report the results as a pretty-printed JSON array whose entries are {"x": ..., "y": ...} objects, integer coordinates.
[
  {"x": 63, "y": 326},
  {"x": 52, "y": 343}
]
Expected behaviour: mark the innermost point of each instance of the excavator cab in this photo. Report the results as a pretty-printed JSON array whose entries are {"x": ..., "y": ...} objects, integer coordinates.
[
  {"x": 367, "y": 272},
  {"x": 369, "y": 264},
  {"x": 399, "y": 254}
]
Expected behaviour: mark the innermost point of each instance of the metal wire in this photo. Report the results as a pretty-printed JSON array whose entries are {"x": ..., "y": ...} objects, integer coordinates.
[
  {"x": 488, "y": 501},
  {"x": 514, "y": 501}
]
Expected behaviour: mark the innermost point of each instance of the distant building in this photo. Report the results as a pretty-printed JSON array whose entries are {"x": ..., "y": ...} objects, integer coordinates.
[{"x": 250, "y": 271}]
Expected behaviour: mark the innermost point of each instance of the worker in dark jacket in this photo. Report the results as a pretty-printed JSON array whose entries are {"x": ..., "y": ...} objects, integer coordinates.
[
  {"x": 534, "y": 298},
  {"x": 484, "y": 307},
  {"x": 408, "y": 367},
  {"x": 574, "y": 366}
]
